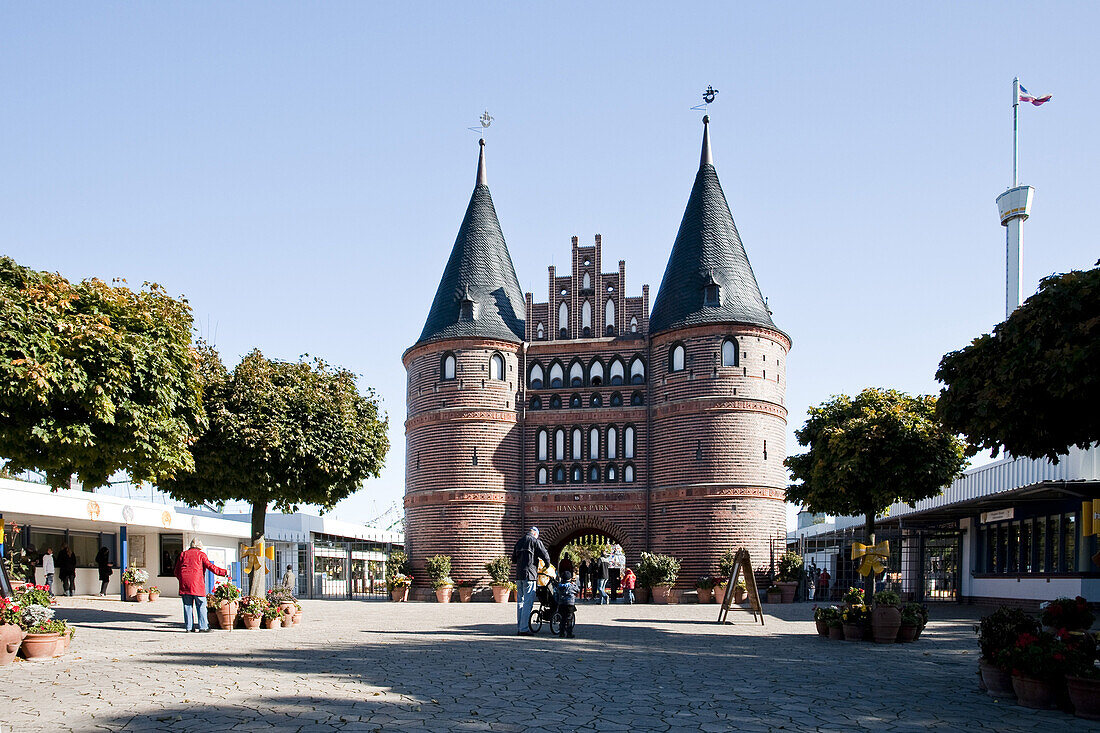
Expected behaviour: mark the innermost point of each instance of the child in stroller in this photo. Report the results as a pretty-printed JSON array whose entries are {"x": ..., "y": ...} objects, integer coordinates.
[{"x": 547, "y": 609}]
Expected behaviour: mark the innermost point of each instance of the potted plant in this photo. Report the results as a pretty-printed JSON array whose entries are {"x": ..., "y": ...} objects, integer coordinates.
[
  {"x": 854, "y": 596},
  {"x": 398, "y": 585},
  {"x": 132, "y": 578},
  {"x": 252, "y": 611},
  {"x": 1039, "y": 664},
  {"x": 774, "y": 594},
  {"x": 854, "y": 619},
  {"x": 836, "y": 627},
  {"x": 284, "y": 599},
  {"x": 212, "y": 611},
  {"x": 910, "y": 623},
  {"x": 886, "y": 617},
  {"x": 997, "y": 633},
  {"x": 740, "y": 592},
  {"x": 154, "y": 593},
  {"x": 823, "y": 615},
  {"x": 658, "y": 573},
  {"x": 272, "y": 615},
  {"x": 226, "y": 597},
  {"x": 11, "y": 629},
  {"x": 919, "y": 611},
  {"x": 789, "y": 572},
  {"x": 719, "y": 590},
  {"x": 466, "y": 590},
  {"x": 500, "y": 573},
  {"x": 1083, "y": 677},
  {"x": 704, "y": 588},
  {"x": 1070, "y": 614},
  {"x": 141, "y": 595},
  {"x": 439, "y": 571},
  {"x": 297, "y": 617},
  {"x": 43, "y": 632}
]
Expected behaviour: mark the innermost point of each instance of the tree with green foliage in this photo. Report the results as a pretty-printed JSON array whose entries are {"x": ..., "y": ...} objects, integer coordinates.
[
  {"x": 281, "y": 434},
  {"x": 95, "y": 379},
  {"x": 1026, "y": 387},
  {"x": 868, "y": 452}
]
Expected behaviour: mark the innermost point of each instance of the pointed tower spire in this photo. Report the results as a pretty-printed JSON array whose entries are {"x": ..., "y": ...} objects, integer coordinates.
[
  {"x": 708, "y": 278},
  {"x": 479, "y": 293}
]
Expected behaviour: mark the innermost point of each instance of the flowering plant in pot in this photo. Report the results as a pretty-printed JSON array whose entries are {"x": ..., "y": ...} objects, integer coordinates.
[
  {"x": 720, "y": 587},
  {"x": 1039, "y": 664},
  {"x": 823, "y": 615},
  {"x": 132, "y": 578},
  {"x": 297, "y": 617},
  {"x": 789, "y": 570},
  {"x": 398, "y": 585},
  {"x": 1083, "y": 677},
  {"x": 466, "y": 590},
  {"x": 854, "y": 619},
  {"x": 283, "y": 598},
  {"x": 997, "y": 633},
  {"x": 704, "y": 587},
  {"x": 42, "y": 632},
  {"x": 252, "y": 611},
  {"x": 439, "y": 571},
  {"x": 854, "y": 596},
  {"x": 272, "y": 615},
  {"x": 886, "y": 617},
  {"x": 740, "y": 592},
  {"x": 154, "y": 592},
  {"x": 226, "y": 597},
  {"x": 919, "y": 612},
  {"x": 35, "y": 595},
  {"x": 141, "y": 594},
  {"x": 11, "y": 629},
  {"x": 500, "y": 578},
  {"x": 1071, "y": 614},
  {"x": 774, "y": 594},
  {"x": 911, "y": 621},
  {"x": 659, "y": 574}
]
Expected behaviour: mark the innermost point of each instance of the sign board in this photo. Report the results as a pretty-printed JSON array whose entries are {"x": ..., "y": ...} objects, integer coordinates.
[
  {"x": 742, "y": 565},
  {"x": 998, "y": 515}
]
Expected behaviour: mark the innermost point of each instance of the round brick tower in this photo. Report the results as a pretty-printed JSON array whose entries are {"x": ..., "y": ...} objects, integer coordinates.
[
  {"x": 463, "y": 459},
  {"x": 717, "y": 395}
]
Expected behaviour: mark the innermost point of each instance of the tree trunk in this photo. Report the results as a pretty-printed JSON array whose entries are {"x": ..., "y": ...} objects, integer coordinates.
[
  {"x": 256, "y": 577},
  {"x": 869, "y": 531}
]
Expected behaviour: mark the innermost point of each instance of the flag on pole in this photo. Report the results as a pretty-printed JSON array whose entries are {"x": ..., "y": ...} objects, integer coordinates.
[{"x": 1026, "y": 96}]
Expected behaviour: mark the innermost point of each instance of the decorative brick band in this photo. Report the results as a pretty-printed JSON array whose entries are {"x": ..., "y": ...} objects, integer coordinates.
[
  {"x": 721, "y": 329},
  {"x": 459, "y": 342},
  {"x": 723, "y": 492},
  {"x": 443, "y": 497},
  {"x": 719, "y": 404},
  {"x": 461, "y": 415}
]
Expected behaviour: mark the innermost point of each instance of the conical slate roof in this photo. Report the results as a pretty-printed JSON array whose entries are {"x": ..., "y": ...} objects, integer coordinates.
[
  {"x": 479, "y": 294},
  {"x": 708, "y": 251}
]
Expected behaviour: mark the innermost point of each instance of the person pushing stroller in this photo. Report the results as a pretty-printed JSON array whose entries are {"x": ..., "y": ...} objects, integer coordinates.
[{"x": 567, "y": 604}]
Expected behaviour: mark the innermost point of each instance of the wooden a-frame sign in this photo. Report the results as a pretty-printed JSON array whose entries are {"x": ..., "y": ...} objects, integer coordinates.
[{"x": 741, "y": 564}]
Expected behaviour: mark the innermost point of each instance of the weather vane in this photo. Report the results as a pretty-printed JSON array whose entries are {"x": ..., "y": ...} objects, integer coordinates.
[
  {"x": 708, "y": 98},
  {"x": 485, "y": 120}
]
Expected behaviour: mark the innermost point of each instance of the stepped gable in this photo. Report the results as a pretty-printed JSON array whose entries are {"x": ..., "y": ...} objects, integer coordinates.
[
  {"x": 479, "y": 294},
  {"x": 707, "y": 252}
]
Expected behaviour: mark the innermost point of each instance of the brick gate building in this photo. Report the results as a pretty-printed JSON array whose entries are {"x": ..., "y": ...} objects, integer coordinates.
[{"x": 589, "y": 413}]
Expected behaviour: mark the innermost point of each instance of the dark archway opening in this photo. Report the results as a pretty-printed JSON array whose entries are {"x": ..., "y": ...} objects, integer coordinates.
[{"x": 586, "y": 544}]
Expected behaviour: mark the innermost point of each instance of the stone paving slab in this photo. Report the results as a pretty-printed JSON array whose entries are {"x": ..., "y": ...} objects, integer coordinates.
[{"x": 372, "y": 666}]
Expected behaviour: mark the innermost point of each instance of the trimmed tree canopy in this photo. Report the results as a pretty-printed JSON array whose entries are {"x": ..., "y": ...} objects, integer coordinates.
[
  {"x": 94, "y": 379},
  {"x": 1028, "y": 387},
  {"x": 866, "y": 453}
]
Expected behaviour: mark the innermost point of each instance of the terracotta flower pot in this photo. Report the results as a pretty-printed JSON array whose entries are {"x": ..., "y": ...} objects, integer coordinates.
[
  {"x": 212, "y": 619},
  {"x": 296, "y": 618},
  {"x": 227, "y": 615},
  {"x": 11, "y": 636},
  {"x": 443, "y": 593},
  {"x": 885, "y": 622},
  {"x": 907, "y": 633},
  {"x": 704, "y": 594},
  {"x": 822, "y": 626},
  {"x": 788, "y": 588},
  {"x": 252, "y": 620},
  {"x": 131, "y": 591},
  {"x": 141, "y": 597},
  {"x": 1084, "y": 695},
  {"x": 719, "y": 593},
  {"x": 641, "y": 595},
  {"x": 68, "y": 641},
  {"x": 774, "y": 596},
  {"x": 836, "y": 633},
  {"x": 400, "y": 594},
  {"x": 740, "y": 594},
  {"x": 37, "y": 647},
  {"x": 287, "y": 620},
  {"x": 270, "y": 623},
  {"x": 853, "y": 632},
  {"x": 919, "y": 630},
  {"x": 1033, "y": 693},
  {"x": 154, "y": 596},
  {"x": 465, "y": 594},
  {"x": 500, "y": 593},
  {"x": 60, "y": 645},
  {"x": 661, "y": 594}
]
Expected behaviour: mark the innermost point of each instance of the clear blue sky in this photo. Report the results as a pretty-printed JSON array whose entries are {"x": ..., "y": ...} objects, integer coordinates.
[{"x": 299, "y": 170}]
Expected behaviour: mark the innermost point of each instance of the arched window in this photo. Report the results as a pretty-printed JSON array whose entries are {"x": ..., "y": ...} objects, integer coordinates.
[
  {"x": 597, "y": 401},
  {"x": 542, "y": 475},
  {"x": 575, "y": 402},
  {"x": 559, "y": 475},
  {"x": 586, "y": 282},
  {"x": 586, "y": 318},
  {"x": 616, "y": 399},
  {"x": 540, "y": 332},
  {"x": 612, "y": 474},
  {"x": 616, "y": 372},
  {"x": 559, "y": 445},
  {"x": 536, "y": 403},
  {"x": 576, "y": 475},
  {"x": 496, "y": 367},
  {"x": 542, "y": 447},
  {"x": 729, "y": 352},
  {"x": 609, "y": 316},
  {"x": 557, "y": 375},
  {"x": 576, "y": 374},
  {"x": 628, "y": 441},
  {"x": 594, "y": 473},
  {"x": 637, "y": 371},
  {"x": 555, "y": 402},
  {"x": 628, "y": 473},
  {"x": 633, "y": 324},
  {"x": 612, "y": 442},
  {"x": 637, "y": 399},
  {"x": 675, "y": 359},
  {"x": 563, "y": 317},
  {"x": 595, "y": 373},
  {"x": 537, "y": 376},
  {"x": 594, "y": 444},
  {"x": 577, "y": 444},
  {"x": 447, "y": 368}
]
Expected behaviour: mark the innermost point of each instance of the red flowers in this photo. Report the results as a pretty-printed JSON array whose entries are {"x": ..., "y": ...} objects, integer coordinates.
[{"x": 1024, "y": 640}]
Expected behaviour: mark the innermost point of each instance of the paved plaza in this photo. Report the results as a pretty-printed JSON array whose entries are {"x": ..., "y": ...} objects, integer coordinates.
[{"x": 366, "y": 666}]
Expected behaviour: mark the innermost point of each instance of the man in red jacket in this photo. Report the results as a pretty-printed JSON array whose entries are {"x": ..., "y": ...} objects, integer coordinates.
[{"x": 190, "y": 571}]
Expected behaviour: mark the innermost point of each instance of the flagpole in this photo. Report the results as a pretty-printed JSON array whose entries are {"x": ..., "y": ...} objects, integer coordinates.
[{"x": 1015, "y": 129}]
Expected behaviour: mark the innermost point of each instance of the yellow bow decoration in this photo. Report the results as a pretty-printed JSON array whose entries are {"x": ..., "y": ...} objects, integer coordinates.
[
  {"x": 252, "y": 556},
  {"x": 871, "y": 554}
]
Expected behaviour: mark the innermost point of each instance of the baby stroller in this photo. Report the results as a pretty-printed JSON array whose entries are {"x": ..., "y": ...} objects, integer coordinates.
[{"x": 547, "y": 610}]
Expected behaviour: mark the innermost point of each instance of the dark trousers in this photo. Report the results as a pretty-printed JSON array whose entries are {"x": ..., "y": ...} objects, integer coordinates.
[{"x": 568, "y": 619}]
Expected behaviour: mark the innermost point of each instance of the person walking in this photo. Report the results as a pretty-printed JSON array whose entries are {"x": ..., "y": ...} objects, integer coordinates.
[
  {"x": 526, "y": 555},
  {"x": 190, "y": 571},
  {"x": 103, "y": 561},
  {"x": 582, "y": 573},
  {"x": 48, "y": 568},
  {"x": 290, "y": 578},
  {"x": 66, "y": 569},
  {"x": 603, "y": 572},
  {"x": 629, "y": 579}
]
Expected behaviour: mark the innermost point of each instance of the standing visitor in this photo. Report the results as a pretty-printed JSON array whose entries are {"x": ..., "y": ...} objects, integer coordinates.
[
  {"x": 603, "y": 573},
  {"x": 567, "y": 604},
  {"x": 811, "y": 581},
  {"x": 629, "y": 579},
  {"x": 823, "y": 584},
  {"x": 526, "y": 555},
  {"x": 584, "y": 577},
  {"x": 48, "y": 568},
  {"x": 190, "y": 572},
  {"x": 66, "y": 569},
  {"x": 103, "y": 561},
  {"x": 289, "y": 578}
]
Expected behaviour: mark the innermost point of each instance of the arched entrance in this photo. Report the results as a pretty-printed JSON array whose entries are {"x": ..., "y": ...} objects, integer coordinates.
[{"x": 561, "y": 534}]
